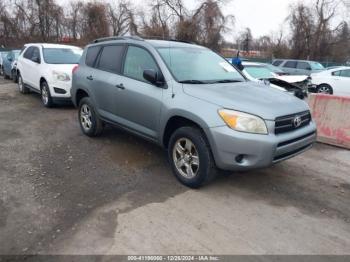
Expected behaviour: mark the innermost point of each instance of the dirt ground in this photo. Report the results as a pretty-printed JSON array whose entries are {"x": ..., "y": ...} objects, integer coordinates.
[{"x": 64, "y": 193}]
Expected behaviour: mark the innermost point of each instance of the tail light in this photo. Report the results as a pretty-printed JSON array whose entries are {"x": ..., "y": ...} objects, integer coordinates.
[{"x": 75, "y": 68}]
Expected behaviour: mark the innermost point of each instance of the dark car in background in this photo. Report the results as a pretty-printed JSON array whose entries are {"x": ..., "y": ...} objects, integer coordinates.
[
  {"x": 9, "y": 63},
  {"x": 3, "y": 55}
]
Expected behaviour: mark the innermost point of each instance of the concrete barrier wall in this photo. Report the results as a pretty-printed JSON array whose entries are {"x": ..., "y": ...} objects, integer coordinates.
[{"x": 332, "y": 116}]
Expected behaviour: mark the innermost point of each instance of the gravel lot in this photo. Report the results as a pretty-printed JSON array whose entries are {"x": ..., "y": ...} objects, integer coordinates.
[{"x": 64, "y": 193}]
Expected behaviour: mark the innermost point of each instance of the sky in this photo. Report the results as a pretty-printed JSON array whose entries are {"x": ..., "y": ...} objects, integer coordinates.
[{"x": 262, "y": 16}]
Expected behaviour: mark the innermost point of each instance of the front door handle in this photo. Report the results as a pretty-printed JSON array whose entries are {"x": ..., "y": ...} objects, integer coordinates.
[
  {"x": 120, "y": 86},
  {"x": 89, "y": 78}
]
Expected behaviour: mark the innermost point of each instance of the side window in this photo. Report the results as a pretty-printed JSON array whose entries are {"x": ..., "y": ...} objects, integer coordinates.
[
  {"x": 91, "y": 55},
  {"x": 111, "y": 58},
  {"x": 137, "y": 60},
  {"x": 28, "y": 53},
  {"x": 290, "y": 64},
  {"x": 36, "y": 54},
  {"x": 336, "y": 73},
  {"x": 345, "y": 73},
  {"x": 304, "y": 66},
  {"x": 277, "y": 62}
]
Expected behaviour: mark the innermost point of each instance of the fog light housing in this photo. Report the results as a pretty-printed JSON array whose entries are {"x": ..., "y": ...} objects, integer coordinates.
[
  {"x": 59, "y": 90},
  {"x": 239, "y": 159}
]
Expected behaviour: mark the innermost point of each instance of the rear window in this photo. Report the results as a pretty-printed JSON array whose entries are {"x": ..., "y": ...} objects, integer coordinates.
[
  {"x": 111, "y": 58},
  {"x": 316, "y": 66},
  {"x": 290, "y": 64},
  {"x": 277, "y": 62},
  {"x": 91, "y": 55}
]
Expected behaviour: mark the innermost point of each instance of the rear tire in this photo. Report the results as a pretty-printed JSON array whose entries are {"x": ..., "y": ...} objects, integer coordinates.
[
  {"x": 90, "y": 123},
  {"x": 325, "y": 89},
  {"x": 6, "y": 76},
  {"x": 190, "y": 157},
  {"x": 21, "y": 86},
  {"x": 46, "y": 95}
]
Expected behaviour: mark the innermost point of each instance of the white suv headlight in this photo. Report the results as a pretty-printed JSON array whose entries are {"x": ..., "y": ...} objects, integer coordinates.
[
  {"x": 60, "y": 76},
  {"x": 243, "y": 122}
]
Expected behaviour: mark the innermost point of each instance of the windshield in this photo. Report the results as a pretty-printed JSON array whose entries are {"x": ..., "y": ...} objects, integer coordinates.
[
  {"x": 62, "y": 55},
  {"x": 198, "y": 65},
  {"x": 316, "y": 66},
  {"x": 16, "y": 53},
  {"x": 259, "y": 72}
]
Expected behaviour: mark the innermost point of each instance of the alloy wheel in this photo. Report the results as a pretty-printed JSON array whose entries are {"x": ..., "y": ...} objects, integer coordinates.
[
  {"x": 20, "y": 84},
  {"x": 324, "y": 90},
  {"x": 45, "y": 95},
  {"x": 185, "y": 157},
  {"x": 86, "y": 117}
]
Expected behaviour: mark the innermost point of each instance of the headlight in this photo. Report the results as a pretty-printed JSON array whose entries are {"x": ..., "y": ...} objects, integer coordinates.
[
  {"x": 60, "y": 76},
  {"x": 243, "y": 122}
]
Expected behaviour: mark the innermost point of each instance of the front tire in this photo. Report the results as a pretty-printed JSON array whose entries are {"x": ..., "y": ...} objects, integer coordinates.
[
  {"x": 14, "y": 77},
  {"x": 21, "y": 86},
  {"x": 190, "y": 157},
  {"x": 325, "y": 89},
  {"x": 46, "y": 95},
  {"x": 90, "y": 124}
]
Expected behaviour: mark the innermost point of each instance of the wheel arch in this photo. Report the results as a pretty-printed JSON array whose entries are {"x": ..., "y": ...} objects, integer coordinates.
[
  {"x": 175, "y": 122},
  {"x": 79, "y": 95}
]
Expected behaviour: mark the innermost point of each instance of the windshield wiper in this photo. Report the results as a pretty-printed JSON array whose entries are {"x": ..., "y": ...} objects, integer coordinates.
[
  {"x": 198, "y": 82},
  {"x": 227, "y": 81}
]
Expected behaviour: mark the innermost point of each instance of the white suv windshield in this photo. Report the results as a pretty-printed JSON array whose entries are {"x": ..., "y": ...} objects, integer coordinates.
[
  {"x": 198, "y": 65},
  {"x": 62, "y": 55}
]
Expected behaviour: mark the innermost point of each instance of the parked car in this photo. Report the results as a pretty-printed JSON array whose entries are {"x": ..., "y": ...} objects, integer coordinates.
[
  {"x": 296, "y": 85},
  {"x": 190, "y": 101},
  {"x": 298, "y": 67},
  {"x": 276, "y": 70},
  {"x": 3, "y": 55},
  {"x": 11, "y": 57},
  {"x": 47, "y": 69},
  {"x": 335, "y": 81}
]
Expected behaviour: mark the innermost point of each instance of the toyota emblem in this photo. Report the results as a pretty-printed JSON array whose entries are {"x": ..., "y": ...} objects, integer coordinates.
[{"x": 297, "y": 121}]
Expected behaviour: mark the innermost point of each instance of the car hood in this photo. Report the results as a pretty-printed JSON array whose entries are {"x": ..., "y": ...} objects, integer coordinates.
[
  {"x": 249, "y": 97},
  {"x": 292, "y": 79}
]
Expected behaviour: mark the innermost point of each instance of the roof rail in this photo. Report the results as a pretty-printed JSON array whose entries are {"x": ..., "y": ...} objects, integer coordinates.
[
  {"x": 111, "y": 38},
  {"x": 168, "y": 39}
]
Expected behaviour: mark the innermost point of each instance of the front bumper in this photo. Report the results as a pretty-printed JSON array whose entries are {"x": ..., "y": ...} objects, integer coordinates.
[
  {"x": 60, "y": 90},
  {"x": 237, "y": 151},
  {"x": 312, "y": 88}
]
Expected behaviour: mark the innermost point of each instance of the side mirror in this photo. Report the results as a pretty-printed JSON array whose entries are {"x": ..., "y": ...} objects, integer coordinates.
[
  {"x": 308, "y": 68},
  {"x": 36, "y": 59},
  {"x": 153, "y": 77}
]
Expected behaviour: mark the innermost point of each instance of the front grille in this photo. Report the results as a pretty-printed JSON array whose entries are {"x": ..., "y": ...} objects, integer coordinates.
[
  {"x": 286, "y": 124},
  {"x": 285, "y": 143},
  {"x": 291, "y": 153}
]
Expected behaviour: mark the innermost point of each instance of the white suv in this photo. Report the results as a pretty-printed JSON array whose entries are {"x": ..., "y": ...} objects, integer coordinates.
[{"x": 47, "y": 69}]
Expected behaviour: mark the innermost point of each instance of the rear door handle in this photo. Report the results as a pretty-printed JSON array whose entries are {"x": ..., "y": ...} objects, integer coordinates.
[
  {"x": 120, "y": 86},
  {"x": 89, "y": 78}
]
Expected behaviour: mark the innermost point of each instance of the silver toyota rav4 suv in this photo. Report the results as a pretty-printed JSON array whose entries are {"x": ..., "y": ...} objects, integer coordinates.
[{"x": 190, "y": 101}]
